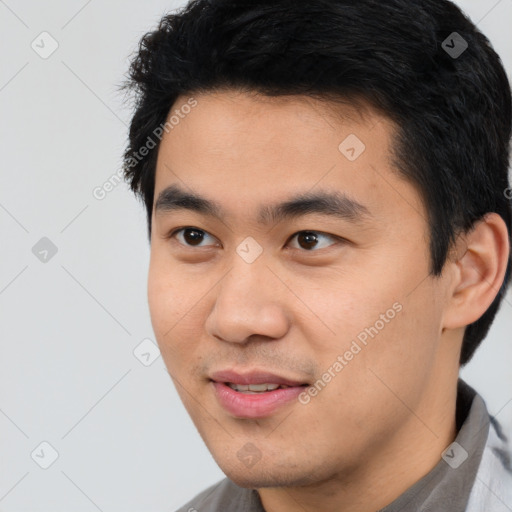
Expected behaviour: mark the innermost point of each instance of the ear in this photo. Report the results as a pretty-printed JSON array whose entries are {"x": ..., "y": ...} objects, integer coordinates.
[{"x": 478, "y": 264}]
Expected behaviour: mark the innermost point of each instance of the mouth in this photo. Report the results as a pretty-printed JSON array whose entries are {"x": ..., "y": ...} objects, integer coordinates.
[
  {"x": 254, "y": 394},
  {"x": 251, "y": 389}
]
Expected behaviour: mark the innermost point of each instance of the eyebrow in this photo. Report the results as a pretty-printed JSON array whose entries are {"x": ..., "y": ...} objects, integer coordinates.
[{"x": 336, "y": 204}]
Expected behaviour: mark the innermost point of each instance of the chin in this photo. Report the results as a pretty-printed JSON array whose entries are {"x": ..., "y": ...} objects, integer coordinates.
[{"x": 266, "y": 476}]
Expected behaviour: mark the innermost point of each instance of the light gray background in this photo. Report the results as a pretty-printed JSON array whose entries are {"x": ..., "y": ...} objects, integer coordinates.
[{"x": 69, "y": 327}]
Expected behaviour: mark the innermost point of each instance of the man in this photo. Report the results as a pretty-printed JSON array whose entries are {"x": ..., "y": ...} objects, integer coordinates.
[{"x": 329, "y": 216}]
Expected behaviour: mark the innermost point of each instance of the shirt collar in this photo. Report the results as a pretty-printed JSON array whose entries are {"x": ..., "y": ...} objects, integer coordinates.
[{"x": 448, "y": 485}]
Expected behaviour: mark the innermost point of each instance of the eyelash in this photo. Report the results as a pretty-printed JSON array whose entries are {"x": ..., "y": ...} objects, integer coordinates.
[{"x": 192, "y": 228}]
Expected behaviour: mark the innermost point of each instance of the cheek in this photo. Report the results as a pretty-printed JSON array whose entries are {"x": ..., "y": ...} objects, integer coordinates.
[
  {"x": 393, "y": 367},
  {"x": 399, "y": 356},
  {"x": 381, "y": 323},
  {"x": 170, "y": 297},
  {"x": 349, "y": 307},
  {"x": 172, "y": 291},
  {"x": 163, "y": 300}
]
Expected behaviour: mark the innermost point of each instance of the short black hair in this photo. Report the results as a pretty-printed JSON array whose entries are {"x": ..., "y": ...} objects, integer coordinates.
[{"x": 422, "y": 63}]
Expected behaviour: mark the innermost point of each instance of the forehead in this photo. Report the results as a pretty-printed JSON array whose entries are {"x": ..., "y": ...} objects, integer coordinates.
[
  {"x": 246, "y": 148},
  {"x": 236, "y": 110}
]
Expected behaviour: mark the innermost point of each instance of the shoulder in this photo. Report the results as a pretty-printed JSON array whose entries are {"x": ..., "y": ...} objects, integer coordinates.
[
  {"x": 224, "y": 496},
  {"x": 492, "y": 490}
]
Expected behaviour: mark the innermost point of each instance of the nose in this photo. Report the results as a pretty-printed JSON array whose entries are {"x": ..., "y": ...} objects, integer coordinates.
[{"x": 250, "y": 300}]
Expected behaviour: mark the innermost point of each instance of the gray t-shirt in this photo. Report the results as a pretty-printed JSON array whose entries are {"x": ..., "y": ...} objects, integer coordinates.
[{"x": 444, "y": 488}]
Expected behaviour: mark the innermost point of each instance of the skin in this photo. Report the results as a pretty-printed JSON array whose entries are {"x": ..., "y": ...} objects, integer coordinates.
[{"x": 383, "y": 421}]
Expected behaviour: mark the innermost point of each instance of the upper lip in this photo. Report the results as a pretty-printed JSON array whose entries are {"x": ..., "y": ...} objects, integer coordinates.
[{"x": 253, "y": 377}]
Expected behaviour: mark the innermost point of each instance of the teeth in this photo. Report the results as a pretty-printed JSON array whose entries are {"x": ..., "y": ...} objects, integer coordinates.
[{"x": 254, "y": 388}]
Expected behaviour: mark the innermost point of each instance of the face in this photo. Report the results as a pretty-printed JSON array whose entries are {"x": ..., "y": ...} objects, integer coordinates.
[{"x": 302, "y": 262}]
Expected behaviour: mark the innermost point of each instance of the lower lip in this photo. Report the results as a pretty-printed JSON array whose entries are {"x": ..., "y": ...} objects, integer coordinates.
[{"x": 255, "y": 405}]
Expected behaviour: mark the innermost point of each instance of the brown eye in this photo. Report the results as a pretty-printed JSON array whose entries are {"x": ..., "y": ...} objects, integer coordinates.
[
  {"x": 191, "y": 236},
  {"x": 310, "y": 239}
]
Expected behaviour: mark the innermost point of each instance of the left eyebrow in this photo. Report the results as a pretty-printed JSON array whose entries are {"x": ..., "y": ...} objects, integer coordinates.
[
  {"x": 334, "y": 204},
  {"x": 329, "y": 203}
]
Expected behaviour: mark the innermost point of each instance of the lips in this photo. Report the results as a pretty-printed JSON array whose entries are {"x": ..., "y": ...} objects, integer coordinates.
[
  {"x": 233, "y": 392},
  {"x": 254, "y": 377}
]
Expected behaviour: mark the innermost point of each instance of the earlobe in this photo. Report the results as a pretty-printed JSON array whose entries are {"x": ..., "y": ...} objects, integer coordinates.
[{"x": 479, "y": 265}]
